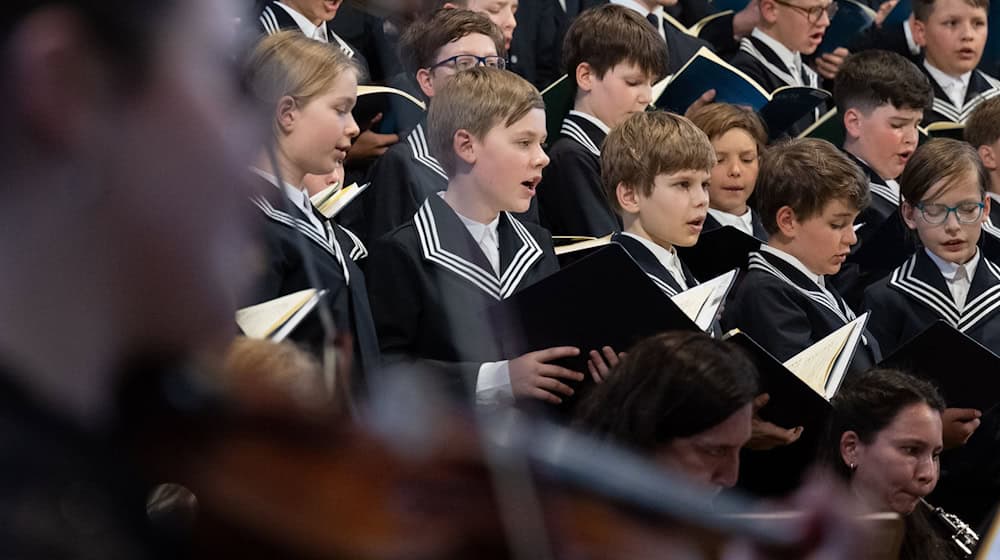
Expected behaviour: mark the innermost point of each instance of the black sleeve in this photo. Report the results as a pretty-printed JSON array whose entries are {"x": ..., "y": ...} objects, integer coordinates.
[
  {"x": 399, "y": 306},
  {"x": 389, "y": 202},
  {"x": 772, "y": 318},
  {"x": 571, "y": 198},
  {"x": 884, "y": 322}
]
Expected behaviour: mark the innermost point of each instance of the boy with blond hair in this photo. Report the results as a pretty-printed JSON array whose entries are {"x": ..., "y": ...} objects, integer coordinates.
[
  {"x": 953, "y": 34},
  {"x": 431, "y": 279},
  {"x": 808, "y": 195},
  {"x": 613, "y": 56},
  {"x": 655, "y": 171}
]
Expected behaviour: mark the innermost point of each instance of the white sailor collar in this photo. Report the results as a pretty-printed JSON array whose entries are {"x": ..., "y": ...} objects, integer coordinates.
[{"x": 949, "y": 269}]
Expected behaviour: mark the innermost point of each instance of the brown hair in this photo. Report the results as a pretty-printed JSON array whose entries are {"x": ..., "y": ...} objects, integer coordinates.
[
  {"x": 922, "y": 9},
  {"x": 609, "y": 35},
  {"x": 937, "y": 160},
  {"x": 476, "y": 100},
  {"x": 870, "y": 79},
  {"x": 716, "y": 119},
  {"x": 423, "y": 39},
  {"x": 983, "y": 126},
  {"x": 805, "y": 175},
  {"x": 288, "y": 63},
  {"x": 273, "y": 375},
  {"x": 649, "y": 144}
]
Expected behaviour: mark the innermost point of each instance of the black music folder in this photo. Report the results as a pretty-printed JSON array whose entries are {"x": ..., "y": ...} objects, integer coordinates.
[{"x": 719, "y": 251}]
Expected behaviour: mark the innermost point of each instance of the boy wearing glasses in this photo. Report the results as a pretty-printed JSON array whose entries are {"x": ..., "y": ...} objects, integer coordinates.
[
  {"x": 953, "y": 34},
  {"x": 433, "y": 50},
  {"x": 944, "y": 202},
  {"x": 808, "y": 194},
  {"x": 789, "y": 30},
  {"x": 614, "y": 56}
]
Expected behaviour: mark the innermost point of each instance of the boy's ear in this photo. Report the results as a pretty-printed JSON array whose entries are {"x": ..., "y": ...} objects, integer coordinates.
[
  {"x": 286, "y": 114},
  {"x": 450, "y": 6},
  {"x": 919, "y": 32},
  {"x": 986, "y": 210},
  {"x": 768, "y": 11},
  {"x": 628, "y": 198},
  {"x": 464, "y": 145},
  {"x": 788, "y": 223},
  {"x": 990, "y": 158},
  {"x": 909, "y": 214},
  {"x": 852, "y": 123},
  {"x": 424, "y": 81},
  {"x": 585, "y": 77}
]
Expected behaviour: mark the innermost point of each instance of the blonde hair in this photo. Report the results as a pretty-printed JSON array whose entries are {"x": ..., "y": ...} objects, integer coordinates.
[
  {"x": 476, "y": 100},
  {"x": 649, "y": 144},
  {"x": 716, "y": 119},
  {"x": 288, "y": 63},
  {"x": 274, "y": 374}
]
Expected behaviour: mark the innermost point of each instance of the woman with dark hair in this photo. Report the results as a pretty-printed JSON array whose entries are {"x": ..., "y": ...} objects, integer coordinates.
[
  {"x": 685, "y": 398},
  {"x": 885, "y": 439}
]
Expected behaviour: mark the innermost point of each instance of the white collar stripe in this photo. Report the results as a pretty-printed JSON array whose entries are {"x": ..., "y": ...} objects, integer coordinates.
[
  {"x": 748, "y": 47},
  {"x": 522, "y": 261},
  {"x": 990, "y": 228},
  {"x": 296, "y": 223},
  {"x": 903, "y": 280},
  {"x": 758, "y": 262},
  {"x": 664, "y": 287},
  {"x": 573, "y": 130},
  {"x": 418, "y": 145},
  {"x": 885, "y": 192},
  {"x": 359, "y": 251}
]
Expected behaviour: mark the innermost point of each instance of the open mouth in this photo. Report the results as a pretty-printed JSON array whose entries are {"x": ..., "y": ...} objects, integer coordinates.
[
  {"x": 531, "y": 184},
  {"x": 817, "y": 37},
  {"x": 953, "y": 243},
  {"x": 967, "y": 53},
  {"x": 696, "y": 224}
]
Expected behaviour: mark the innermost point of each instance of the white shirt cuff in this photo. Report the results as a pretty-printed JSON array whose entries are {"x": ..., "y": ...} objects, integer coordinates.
[{"x": 493, "y": 383}]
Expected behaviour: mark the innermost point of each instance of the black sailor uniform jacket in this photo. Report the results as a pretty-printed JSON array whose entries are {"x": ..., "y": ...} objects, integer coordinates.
[
  {"x": 571, "y": 198},
  {"x": 758, "y": 227},
  {"x": 653, "y": 268},
  {"x": 274, "y": 18},
  {"x": 281, "y": 224},
  {"x": 786, "y": 312},
  {"x": 981, "y": 87},
  {"x": 916, "y": 294},
  {"x": 431, "y": 285},
  {"x": 761, "y": 63}
]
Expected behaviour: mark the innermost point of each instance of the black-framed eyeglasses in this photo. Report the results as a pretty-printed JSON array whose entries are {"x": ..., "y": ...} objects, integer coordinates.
[
  {"x": 814, "y": 13},
  {"x": 965, "y": 213},
  {"x": 466, "y": 61}
]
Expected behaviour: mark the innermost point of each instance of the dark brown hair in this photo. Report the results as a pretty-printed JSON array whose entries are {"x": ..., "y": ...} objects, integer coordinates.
[
  {"x": 937, "y": 160},
  {"x": 870, "y": 79},
  {"x": 805, "y": 175},
  {"x": 922, "y": 9},
  {"x": 609, "y": 35},
  {"x": 649, "y": 144},
  {"x": 423, "y": 39},
  {"x": 983, "y": 125},
  {"x": 669, "y": 386}
]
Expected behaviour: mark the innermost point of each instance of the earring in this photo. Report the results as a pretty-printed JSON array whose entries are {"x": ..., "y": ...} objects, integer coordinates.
[{"x": 853, "y": 467}]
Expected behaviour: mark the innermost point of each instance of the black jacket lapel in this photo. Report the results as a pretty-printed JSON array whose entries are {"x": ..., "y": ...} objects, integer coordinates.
[
  {"x": 584, "y": 132},
  {"x": 650, "y": 264}
]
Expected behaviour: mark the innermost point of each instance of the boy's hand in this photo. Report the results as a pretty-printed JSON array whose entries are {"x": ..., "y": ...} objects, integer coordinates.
[
  {"x": 746, "y": 19},
  {"x": 958, "y": 425},
  {"x": 829, "y": 64},
  {"x": 883, "y": 11},
  {"x": 532, "y": 377},
  {"x": 765, "y": 435},
  {"x": 601, "y": 363},
  {"x": 705, "y": 99},
  {"x": 369, "y": 144}
]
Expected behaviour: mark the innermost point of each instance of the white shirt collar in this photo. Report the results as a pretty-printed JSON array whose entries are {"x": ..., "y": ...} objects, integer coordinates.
[
  {"x": 299, "y": 197},
  {"x": 317, "y": 32},
  {"x": 954, "y": 86},
  {"x": 911, "y": 43},
  {"x": 794, "y": 261},
  {"x": 667, "y": 257},
  {"x": 591, "y": 118},
  {"x": 643, "y": 11},
  {"x": 478, "y": 230},
  {"x": 743, "y": 223},
  {"x": 994, "y": 196},
  {"x": 948, "y": 268},
  {"x": 791, "y": 60}
]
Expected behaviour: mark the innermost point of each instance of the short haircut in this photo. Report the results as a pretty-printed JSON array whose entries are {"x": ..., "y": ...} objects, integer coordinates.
[
  {"x": 288, "y": 63},
  {"x": 805, "y": 175},
  {"x": 424, "y": 38},
  {"x": 983, "y": 126},
  {"x": 649, "y": 144},
  {"x": 867, "y": 403},
  {"x": 922, "y": 9},
  {"x": 476, "y": 100},
  {"x": 716, "y": 119},
  {"x": 669, "y": 386},
  {"x": 608, "y": 35},
  {"x": 940, "y": 159},
  {"x": 870, "y": 79}
]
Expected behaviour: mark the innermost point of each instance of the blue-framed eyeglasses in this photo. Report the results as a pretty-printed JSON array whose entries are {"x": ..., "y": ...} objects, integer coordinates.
[
  {"x": 965, "y": 213},
  {"x": 466, "y": 61}
]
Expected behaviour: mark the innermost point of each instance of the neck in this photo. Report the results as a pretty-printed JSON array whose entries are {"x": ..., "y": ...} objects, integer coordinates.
[
  {"x": 650, "y": 5},
  {"x": 583, "y": 105},
  {"x": 853, "y": 147},
  {"x": 735, "y": 211},
  {"x": 783, "y": 243},
  {"x": 290, "y": 173},
  {"x": 295, "y": 6},
  {"x": 634, "y": 226},
  {"x": 464, "y": 197},
  {"x": 772, "y": 32},
  {"x": 995, "y": 181}
]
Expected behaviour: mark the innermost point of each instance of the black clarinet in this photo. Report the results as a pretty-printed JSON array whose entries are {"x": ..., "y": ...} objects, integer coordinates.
[{"x": 962, "y": 536}]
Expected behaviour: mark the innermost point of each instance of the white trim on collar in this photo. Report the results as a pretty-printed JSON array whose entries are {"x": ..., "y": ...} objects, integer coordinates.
[
  {"x": 666, "y": 257},
  {"x": 309, "y": 29},
  {"x": 790, "y": 58},
  {"x": 948, "y": 268},
  {"x": 944, "y": 80},
  {"x": 794, "y": 261},
  {"x": 592, "y": 119}
]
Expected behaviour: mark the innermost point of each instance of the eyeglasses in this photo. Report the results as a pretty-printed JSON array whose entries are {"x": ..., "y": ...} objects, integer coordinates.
[
  {"x": 466, "y": 61},
  {"x": 814, "y": 13},
  {"x": 965, "y": 213}
]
